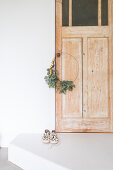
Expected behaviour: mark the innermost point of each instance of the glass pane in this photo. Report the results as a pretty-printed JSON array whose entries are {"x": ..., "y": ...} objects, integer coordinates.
[
  {"x": 104, "y": 12},
  {"x": 65, "y": 12},
  {"x": 84, "y": 12}
]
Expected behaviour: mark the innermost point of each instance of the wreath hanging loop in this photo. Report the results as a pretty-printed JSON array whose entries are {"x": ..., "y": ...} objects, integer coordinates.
[{"x": 54, "y": 82}]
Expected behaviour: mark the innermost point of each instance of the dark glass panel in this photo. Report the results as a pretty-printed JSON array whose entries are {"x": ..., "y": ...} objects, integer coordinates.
[
  {"x": 85, "y": 12},
  {"x": 65, "y": 12},
  {"x": 104, "y": 12}
]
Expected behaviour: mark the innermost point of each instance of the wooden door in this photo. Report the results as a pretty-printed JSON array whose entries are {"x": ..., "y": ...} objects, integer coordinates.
[{"x": 84, "y": 39}]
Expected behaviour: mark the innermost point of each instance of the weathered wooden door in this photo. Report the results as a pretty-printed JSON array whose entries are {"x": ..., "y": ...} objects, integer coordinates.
[{"x": 84, "y": 39}]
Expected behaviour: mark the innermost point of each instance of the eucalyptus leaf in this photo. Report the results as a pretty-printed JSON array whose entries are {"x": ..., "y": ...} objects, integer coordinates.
[{"x": 53, "y": 82}]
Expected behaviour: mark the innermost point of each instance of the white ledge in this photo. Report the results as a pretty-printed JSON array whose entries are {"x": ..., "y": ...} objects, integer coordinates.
[{"x": 74, "y": 152}]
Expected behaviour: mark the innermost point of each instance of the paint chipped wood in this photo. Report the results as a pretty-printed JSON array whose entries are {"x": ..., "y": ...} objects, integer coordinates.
[{"x": 89, "y": 108}]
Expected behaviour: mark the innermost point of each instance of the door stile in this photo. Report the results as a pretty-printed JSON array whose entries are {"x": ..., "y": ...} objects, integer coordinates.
[
  {"x": 99, "y": 12},
  {"x": 70, "y": 13},
  {"x": 110, "y": 22},
  {"x": 85, "y": 77},
  {"x": 58, "y": 59}
]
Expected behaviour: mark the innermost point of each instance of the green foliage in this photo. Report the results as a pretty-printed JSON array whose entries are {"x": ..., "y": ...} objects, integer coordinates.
[
  {"x": 65, "y": 85},
  {"x": 53, "y": 81}
]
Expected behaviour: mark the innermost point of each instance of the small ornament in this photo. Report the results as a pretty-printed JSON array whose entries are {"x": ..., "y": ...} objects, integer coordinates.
[
  {"x": 51, "y": 67},
  {"x": 53, "y": 80},
  {"x": 50, "y": 71},
  {"x": 46, "y": 136},
  {"x": 53, "y": 137}
]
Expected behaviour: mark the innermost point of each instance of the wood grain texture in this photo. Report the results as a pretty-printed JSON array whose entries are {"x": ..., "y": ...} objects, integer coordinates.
[
  {"x": 84, "y": 125},
  {"x": 97, "y": 77},
  {"x": 99, "y": 12},
  {"x": 58, "y": 59},
  {"x": 85, "y": 76},
  {"x": 92, "y": 46},
  {"x": 95, "y": 31},
  {"x": 72, "y": 71},
  {"x": 70, "y": 12},
  {"x": 110, "y": 21}
]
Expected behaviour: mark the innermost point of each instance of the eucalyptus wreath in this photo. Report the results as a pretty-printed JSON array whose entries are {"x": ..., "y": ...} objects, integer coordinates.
[{"x": 54, "y": 82}]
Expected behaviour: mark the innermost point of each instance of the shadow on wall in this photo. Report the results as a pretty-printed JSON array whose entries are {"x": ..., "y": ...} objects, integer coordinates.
[{"x": 0, "y": 140}]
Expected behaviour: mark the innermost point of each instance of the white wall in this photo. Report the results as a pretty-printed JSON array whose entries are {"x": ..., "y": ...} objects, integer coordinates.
[{"x": 27, "y": 45}]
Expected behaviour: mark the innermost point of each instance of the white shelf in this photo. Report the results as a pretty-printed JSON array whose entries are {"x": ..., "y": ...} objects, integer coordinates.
[{"x": 74, "y": 152}]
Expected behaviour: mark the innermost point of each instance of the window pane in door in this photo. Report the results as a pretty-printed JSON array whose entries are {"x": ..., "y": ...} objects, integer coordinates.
[
  {"x": 84, "y": 12},
  {"x": 104, "y": 12},
  {"x": 65, "y": 12}
]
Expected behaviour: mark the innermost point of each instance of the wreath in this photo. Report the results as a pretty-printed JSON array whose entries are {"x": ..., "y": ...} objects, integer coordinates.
[{"x": 54, "y": 82}]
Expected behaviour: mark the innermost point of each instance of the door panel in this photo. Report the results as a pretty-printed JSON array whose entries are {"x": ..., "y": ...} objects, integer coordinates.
[
  {"x": 97, "y": 77},
  {"x": 86, "y": 48},
  {"x": 72, "y": 61}
]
